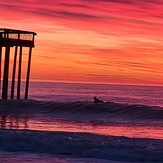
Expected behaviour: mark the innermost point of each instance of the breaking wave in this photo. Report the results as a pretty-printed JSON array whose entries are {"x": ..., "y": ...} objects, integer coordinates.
[{"x": 84, "y": 108}]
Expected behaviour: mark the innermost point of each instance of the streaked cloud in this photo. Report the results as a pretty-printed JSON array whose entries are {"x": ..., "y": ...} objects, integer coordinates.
[{"x": 101, "y": 38}]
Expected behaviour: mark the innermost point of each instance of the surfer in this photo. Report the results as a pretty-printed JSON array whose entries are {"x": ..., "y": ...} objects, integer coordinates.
[{"x": 96, "y": 100}]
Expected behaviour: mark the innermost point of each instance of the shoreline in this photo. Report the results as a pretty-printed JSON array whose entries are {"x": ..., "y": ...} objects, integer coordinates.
[{"x": 82, "y": 145}]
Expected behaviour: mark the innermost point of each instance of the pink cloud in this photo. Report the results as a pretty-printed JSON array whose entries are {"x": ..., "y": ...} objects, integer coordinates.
[
  {"x": 113, "y": 14},
  {"x": 137, "y": 24}
]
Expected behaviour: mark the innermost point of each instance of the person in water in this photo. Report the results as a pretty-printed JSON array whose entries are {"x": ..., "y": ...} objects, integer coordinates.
[{"x": 96, "y": 100}]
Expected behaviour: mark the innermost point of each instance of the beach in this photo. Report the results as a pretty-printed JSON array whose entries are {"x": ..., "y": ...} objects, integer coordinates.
[{"x": 81, "y": 145}]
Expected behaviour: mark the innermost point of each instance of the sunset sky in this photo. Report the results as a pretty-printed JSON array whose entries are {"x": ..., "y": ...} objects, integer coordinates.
[{"x": 103, "y": 41}]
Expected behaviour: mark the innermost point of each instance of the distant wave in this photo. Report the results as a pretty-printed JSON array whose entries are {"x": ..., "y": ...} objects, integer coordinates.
[{"x": 84, "y": 108}]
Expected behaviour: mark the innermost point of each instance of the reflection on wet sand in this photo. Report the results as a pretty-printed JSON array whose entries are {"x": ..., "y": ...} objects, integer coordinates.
[
  {"x": 13, "y": 120},
  {"x": 41, "y": 122},
  {"x": 114, "y": 130}
]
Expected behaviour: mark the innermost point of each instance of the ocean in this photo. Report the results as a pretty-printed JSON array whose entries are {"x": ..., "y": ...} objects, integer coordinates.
[
  {"x": 61, "y": 123},
  {"x": 62, "y": 92}
]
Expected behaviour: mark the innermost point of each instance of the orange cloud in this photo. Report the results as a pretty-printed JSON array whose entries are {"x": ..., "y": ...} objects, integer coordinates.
[{"x": 103, "y": 41}]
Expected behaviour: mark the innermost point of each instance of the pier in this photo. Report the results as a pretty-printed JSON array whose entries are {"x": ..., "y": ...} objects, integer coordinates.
[{"x": 17, "y": 39}]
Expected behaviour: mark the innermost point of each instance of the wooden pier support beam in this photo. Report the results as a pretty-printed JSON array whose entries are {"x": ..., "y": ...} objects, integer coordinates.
[
  {"x": 13, "y": 73},
  {"x": 0, "y": 65},
  {"x": 6, "y": 72},
  {"x": 19, "y": 73},
  {"x": 28, "y": 73}
]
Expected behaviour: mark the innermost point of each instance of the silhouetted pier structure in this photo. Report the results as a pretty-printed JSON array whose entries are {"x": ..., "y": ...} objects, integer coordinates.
[{"x": 17, "y": 39}]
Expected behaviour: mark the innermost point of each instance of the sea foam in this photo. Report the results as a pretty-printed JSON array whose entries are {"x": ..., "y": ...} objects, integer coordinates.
[{"x": 82, "y": 145}]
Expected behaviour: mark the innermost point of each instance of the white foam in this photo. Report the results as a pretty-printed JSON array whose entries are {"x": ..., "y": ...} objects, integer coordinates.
[
  {"x": 82, "y": 145},
  {"x": 15, "y": 157}
]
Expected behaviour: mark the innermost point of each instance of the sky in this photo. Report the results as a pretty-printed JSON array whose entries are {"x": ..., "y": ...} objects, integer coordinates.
[{"x": 101, "y": 41}]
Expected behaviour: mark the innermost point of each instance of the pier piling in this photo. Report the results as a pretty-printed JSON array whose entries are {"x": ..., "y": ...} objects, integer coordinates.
[
  {"x": 13, "y": 73},
  {"x": 28, "y": 73},
  {"x": 0, "y": 65},
  {"x": 6, "y": 72}
]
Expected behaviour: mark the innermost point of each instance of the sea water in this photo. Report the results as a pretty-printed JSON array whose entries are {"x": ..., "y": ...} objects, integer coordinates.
[
  {"x": 133, "y": 115},
  {"x": 61, "y": 92}
]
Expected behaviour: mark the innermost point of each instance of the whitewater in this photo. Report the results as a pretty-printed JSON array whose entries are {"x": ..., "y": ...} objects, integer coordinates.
[{"x": 60, "y": 123}]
